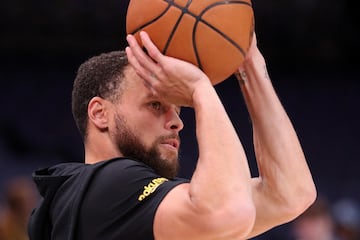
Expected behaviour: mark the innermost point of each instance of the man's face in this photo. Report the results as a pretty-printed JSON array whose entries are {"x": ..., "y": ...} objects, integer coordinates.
[{"x": 147, "y": 128}]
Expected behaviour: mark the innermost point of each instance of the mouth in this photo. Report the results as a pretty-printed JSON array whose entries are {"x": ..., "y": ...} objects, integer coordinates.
[{"x": 172, "y": 142}]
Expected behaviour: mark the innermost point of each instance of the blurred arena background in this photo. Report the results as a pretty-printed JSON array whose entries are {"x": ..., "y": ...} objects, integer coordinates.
[{"x": 311, "y": 47}]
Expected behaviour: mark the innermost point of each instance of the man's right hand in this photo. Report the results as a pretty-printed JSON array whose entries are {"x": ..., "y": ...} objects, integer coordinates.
[{"x": 172, "y": 79}]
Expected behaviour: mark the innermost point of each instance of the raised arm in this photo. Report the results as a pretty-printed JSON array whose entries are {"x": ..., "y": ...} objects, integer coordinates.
[
  {"x": 284, "y": 188},
  {"x": 217, "y": 203}
]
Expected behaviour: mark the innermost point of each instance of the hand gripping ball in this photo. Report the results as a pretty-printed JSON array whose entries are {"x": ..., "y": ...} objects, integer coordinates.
[{"x": 215, "y": 35}]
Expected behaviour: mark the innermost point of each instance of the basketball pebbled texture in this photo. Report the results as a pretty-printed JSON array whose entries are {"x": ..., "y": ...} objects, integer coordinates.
[{"x": 212, "y": 34}]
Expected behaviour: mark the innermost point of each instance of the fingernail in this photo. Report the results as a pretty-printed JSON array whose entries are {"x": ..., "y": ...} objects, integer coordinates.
[{"x": 143, "y": 33}]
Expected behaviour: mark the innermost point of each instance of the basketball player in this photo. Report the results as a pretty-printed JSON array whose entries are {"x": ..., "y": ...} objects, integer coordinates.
[{"x": 127, "y": 108}]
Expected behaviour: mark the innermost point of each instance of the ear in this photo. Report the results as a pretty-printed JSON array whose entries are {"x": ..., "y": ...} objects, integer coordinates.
[{"x": 98, "y": 112}]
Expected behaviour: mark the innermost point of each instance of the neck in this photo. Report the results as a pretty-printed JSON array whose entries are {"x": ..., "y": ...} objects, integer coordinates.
[{"x": 98, "y": 150}]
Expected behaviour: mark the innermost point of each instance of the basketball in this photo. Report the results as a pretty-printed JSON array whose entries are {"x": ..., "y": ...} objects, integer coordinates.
[{"x": 213, "y": 34}]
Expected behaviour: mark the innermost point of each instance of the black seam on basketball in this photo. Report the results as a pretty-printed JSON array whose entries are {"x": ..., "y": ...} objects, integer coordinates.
[
  {"x": 199, "y": 19},
  {"x": 183, "y": 11},
  {"x": 152, "y": 21}
]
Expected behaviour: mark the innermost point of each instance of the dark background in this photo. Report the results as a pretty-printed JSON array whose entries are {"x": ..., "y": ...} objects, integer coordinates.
[{"x": 311, "y": 47}]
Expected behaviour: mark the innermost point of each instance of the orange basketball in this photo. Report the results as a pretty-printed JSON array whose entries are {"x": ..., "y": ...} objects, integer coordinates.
[{"x": 212, "y": 34}]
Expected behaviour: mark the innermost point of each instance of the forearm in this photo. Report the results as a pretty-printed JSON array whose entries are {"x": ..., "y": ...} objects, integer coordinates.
[
  {"x": 286, "y": 187},
  {"x": 222, "y": 173}
]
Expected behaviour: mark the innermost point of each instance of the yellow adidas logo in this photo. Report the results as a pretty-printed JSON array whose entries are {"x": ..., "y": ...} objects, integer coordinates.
[{"x": 151, "y": 187}]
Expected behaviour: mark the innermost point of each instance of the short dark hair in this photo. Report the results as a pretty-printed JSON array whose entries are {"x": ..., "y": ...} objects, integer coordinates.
[{"x": 98, "y": 76}]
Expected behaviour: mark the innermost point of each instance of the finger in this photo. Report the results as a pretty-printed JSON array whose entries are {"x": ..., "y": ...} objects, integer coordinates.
[
  {"x": 132, "y": 59},
  {"x": 241, "y": 76},
  {"x": 254, "y": 40},
  {"x": 142, "y": 72},
  {"x": 154, "y": 53},
  {"x": 142, "y": 58},
  {"x": 152, "y": 50},
  {"x": 135, "y": 54},
  {"x": 135, "y": 48}
]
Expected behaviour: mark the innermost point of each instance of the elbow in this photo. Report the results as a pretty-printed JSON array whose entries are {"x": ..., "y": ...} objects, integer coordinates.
[
  {"x": 245, "y": 219},
  {"x": 312, "y": 193},
  {"x": 303, "y": 198},
  {"x": 309, "y": 196},
  {"x": 238, "y": 220}
]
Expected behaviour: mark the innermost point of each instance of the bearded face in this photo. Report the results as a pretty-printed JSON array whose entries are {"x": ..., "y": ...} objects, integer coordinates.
[{"x": 131, "y": 145}]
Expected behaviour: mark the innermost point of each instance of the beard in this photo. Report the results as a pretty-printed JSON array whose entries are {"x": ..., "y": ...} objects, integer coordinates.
[{"x": 131, "y": 146}]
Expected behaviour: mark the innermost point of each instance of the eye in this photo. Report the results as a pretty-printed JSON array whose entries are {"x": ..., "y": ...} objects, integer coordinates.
[{"x": 156, "y": 106}]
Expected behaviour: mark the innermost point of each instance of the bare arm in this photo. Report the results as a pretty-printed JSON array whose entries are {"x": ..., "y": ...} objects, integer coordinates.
[
  {"x": 217, "y": 204},
  {"x": 285, "y": 187}
]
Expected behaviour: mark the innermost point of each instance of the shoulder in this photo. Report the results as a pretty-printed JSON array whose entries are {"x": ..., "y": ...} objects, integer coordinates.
[
  {"x": 132, "y": 175},
  {"x": 122, "y": 169},
  {"x": 123, "y": 195}
]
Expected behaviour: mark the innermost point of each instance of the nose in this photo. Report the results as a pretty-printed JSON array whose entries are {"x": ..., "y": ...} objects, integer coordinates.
[{"x": 173, "y": 120}]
